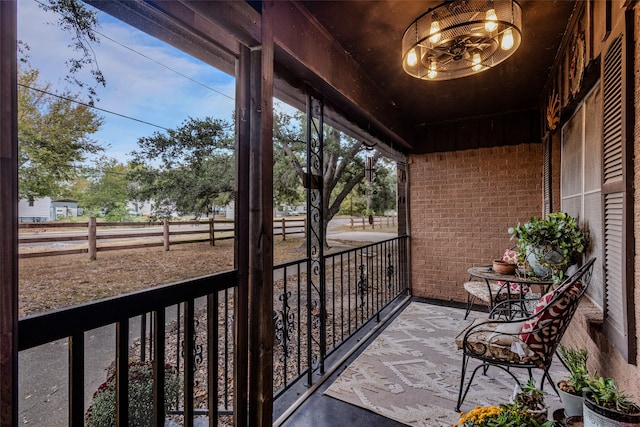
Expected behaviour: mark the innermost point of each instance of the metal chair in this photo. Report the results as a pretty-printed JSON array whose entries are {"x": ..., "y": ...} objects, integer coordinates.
[
  {"x": 488, "y": 292},
  {"x": 528, "y": 342}
]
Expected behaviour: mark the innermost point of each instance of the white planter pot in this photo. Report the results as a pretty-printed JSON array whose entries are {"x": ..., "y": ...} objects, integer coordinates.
[
  {"x": 572, "y": 403},
  {"x": 597, "y": 416},
  {"x": 540, "y": 415},
  {"x": 552, "y": 257}
]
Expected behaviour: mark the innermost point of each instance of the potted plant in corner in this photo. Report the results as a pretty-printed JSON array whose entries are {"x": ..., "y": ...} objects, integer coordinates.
[
  {"x": 572, "y": 389},
  {"x": 531, "y": 400},
  {"x": 550, "y": 245},
  {"x": 606, "y": 405}
]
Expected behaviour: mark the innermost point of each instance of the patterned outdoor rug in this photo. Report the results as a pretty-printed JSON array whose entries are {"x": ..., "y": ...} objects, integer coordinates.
[{"x": 411, "y": 371}]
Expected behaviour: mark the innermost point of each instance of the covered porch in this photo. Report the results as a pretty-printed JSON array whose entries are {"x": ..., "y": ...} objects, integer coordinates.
[{"x": 551, "y": 128}]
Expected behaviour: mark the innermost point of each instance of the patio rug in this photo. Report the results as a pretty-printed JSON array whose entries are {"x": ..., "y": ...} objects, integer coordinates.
[{"x": 411, "y": 371}]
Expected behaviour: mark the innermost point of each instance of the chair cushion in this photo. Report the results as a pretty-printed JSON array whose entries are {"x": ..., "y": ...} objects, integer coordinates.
[
  {"x": 497, "y": 340},
  {"x": 548, "y": 309}
]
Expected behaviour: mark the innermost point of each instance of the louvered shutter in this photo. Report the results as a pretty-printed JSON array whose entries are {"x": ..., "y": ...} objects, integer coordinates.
[
  {"x": 546, "y": 176},
  {"x": 617, "y": 265}
]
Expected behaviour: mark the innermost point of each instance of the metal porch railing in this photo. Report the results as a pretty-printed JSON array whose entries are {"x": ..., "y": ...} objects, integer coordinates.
[{"x": 152, "y": 325}]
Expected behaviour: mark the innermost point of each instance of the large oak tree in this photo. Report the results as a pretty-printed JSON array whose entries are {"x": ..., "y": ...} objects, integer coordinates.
[
  {"x": 187, "y": 170},
  {"x": 343, "y": 160}
]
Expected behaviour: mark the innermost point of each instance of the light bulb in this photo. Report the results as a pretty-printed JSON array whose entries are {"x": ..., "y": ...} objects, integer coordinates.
[
  {"x": 477, "y": 65},
  {"x": 507, "y": 40},
  {"x": 432, "y": 74},
  {"x": 412, "y": 58},
  {"x": 434, "y": 32},
  {"x": 491, "y": 17}
]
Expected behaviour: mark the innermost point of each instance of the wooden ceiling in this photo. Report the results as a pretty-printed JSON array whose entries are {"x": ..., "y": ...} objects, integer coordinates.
[{"x": 371, "y": 32}]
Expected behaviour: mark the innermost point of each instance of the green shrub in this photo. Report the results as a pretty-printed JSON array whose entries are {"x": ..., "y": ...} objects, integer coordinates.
[{"x": 101, "y": 413}]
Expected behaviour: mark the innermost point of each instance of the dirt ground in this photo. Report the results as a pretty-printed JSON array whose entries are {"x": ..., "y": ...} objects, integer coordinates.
[{"x": 59, "y": 281}]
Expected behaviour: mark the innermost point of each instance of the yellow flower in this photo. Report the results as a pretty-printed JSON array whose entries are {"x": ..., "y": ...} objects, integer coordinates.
[{"x": 478, "y": 416}]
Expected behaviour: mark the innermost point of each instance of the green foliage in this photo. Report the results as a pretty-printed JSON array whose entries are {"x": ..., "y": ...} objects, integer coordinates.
[
  {"x": 383, "y": 188},
  {"x": 344, "y": 189},
  {"x": 530, "y": 396},
  {"x": 118, "y": 212},
  {"x": 606, "y": 393},
  {"x": 556, "y": 241},
  {"x": 508, "y": 415},
  {"x": 186, "y": 170},
  {"x": 576, "y": 362},
  {"x": 52, "y": 137},
  {"x": 107, "y": 192},
  {"x": 101, "y": 413}
]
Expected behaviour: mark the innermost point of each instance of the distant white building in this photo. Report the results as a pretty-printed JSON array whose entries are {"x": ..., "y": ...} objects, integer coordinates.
[
  {"x": 44, "y": 209},
  {"x": 37, "y": 211},
  {"x": 139, "y": 208},
  {"x": 64, "y": 208}
]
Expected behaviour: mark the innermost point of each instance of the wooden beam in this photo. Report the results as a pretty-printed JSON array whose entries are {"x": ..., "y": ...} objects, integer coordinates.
[
  {"x": 8, "y": 215},
  {"x": 309, "y": 54},
  {"x": 311, "y": 51},
  {"x": 177, "y": 25}
]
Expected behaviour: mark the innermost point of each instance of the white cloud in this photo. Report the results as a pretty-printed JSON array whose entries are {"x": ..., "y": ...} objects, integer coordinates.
[{"x": 136, "y": 86}]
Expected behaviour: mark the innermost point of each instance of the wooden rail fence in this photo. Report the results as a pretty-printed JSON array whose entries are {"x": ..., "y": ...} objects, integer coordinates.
[
  {"x": 141, "y": 232},
  {"x": 381, "y": 221}
]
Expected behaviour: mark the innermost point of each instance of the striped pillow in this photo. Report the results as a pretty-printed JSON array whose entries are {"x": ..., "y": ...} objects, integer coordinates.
[{"x": 548, "y": 309}]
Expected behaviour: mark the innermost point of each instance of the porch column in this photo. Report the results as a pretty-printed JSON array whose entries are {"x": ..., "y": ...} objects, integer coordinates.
[
  {"x": 261, "y": 227},
  {"x": 8, "y": 215},
  {"x": 316, "y": 319},
  {"x": 402, "y": 204},
  {"x": 241, "y": 212}
]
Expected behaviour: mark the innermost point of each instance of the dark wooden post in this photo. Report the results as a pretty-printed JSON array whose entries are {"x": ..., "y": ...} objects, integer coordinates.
[
  {"x": 165, "y": 234},
  {"x": 212, "y": 235},
  {"x": 92, "y": 239},
  {"x": 403, "y": 220},
  {"x": 401, "y": 204},
  {"x": 261, "y": 227},
  {"x": 8, "y": 216},
  {"x": 241, "y": 214},
  {"x": 284, "y": 229}
]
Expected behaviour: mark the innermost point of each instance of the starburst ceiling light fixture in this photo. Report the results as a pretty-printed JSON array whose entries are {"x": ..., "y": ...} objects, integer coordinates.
[{"x": 461, "y": 37}]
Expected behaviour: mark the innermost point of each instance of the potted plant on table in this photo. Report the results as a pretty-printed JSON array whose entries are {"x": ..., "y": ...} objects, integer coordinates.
[
  {"x": 572, "y": 389},
  {"x": 606, "y": 405},
  {"x": 550, "y": 245},
  {"x": 530, "y": 399}
]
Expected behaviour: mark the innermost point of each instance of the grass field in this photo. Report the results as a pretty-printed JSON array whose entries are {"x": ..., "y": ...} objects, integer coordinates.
[{"x": 60, "y": 281}]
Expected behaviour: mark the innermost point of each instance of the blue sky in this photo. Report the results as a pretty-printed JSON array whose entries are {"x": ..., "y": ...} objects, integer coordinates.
[{"x": 136, "y": 86}]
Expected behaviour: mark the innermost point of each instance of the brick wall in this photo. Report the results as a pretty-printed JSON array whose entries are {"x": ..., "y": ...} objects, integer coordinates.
[{"x": 461, "y": 205}]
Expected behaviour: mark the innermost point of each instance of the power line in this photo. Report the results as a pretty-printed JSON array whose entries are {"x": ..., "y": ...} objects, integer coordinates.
[
  {"x": 157, "y": 62},
  {"x": 93, "y": 106},
  {"x": 166, "y": 66}
]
